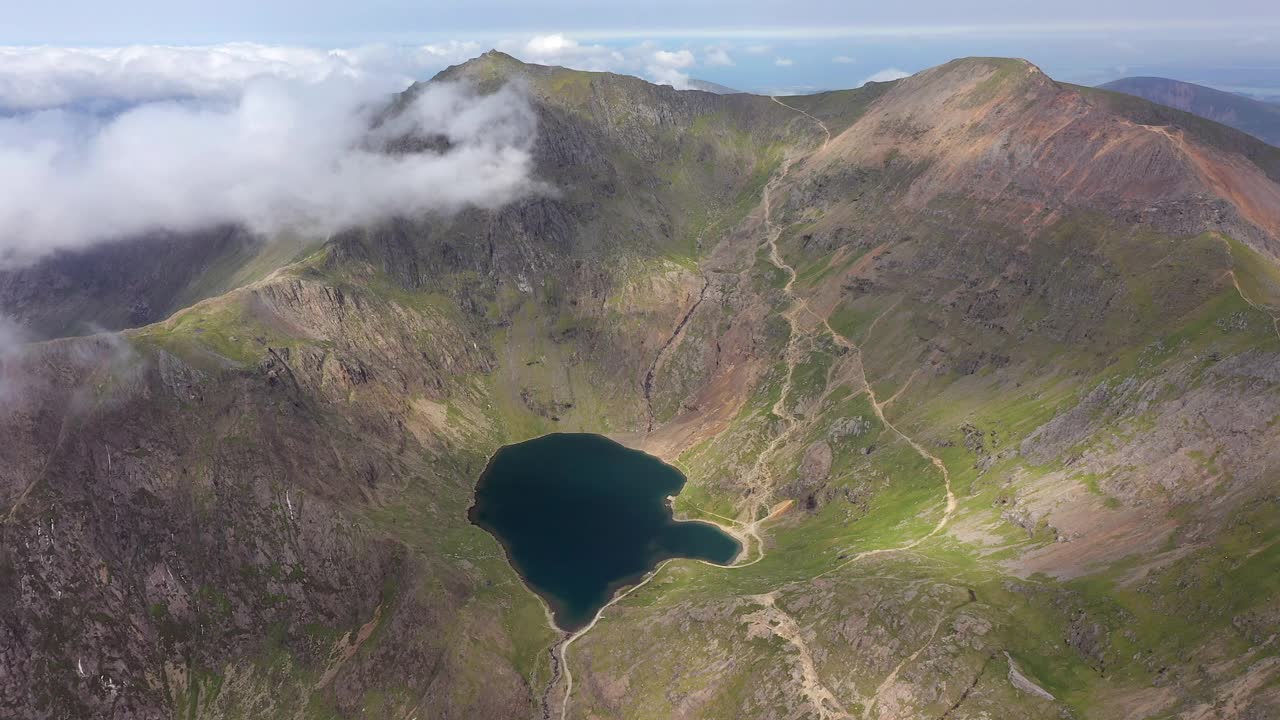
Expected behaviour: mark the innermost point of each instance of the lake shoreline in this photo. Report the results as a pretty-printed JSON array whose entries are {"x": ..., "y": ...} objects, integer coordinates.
[{"x": 671, "y": 528}]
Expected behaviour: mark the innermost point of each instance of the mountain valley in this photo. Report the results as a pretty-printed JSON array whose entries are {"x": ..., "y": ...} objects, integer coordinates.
[{"x": 982, "y": 369}]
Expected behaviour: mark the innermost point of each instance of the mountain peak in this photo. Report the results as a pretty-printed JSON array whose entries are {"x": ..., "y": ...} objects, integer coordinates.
[
  {"x": 999, "y": 70},
  {"x": 971, "y": 82},
  {"x": 493, "y": 55},
  {"x": 1016, "y": 343},
  {"x": 490, "y": 66}
]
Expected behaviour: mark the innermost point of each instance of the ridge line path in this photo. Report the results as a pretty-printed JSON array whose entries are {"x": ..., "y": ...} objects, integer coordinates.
[
  {"x": 796, "y": 109},
  {"x": 787, "y": 628},
  {"x": 819, "y": 695},
  {"x": 1180, "y": 141},
  {"x": 878, "y": 407},
  {"x": 1235, "y": 280},
  {"x": 748, "y": 529}
]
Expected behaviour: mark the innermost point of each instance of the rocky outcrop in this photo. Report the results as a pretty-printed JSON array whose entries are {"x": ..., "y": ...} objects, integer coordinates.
[{"x": 257, "y": 507}]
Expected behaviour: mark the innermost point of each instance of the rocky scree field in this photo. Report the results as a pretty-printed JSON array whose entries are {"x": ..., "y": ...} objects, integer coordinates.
[{"x": 982, "y": 368}]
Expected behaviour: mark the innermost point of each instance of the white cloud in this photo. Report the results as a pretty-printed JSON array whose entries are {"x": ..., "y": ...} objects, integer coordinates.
[
  {"x": 844, "y": 60},
  {"x": 677, "y": 59},
  {"x": 783, "y": 62},
  {"x": 550, "y": 45},
  {"x": 645, "y": 59},
  {"x": 558, "y": 49},
  {"x": 667, "y": 68},
  {"x": 661, "y": 75},
  {"x": 1050, "y": 28},
  {"x": 885, "y": 76},
  {"x": 33, "y": 78},
  {"x": 285, "y": 154},
  {"x": 718, "y": 57},
  {"x": 102, "y": 143},
  {"x": 416, "y": 61}
]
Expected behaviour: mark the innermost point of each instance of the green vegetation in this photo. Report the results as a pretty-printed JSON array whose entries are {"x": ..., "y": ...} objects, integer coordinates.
[{"x": 1098, "y": 396}]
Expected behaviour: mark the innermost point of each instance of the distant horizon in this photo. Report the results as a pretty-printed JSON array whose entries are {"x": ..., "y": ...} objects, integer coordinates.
[
  {"x": 127, "y": 74},
  {"x": 806, "y": 46},
  {"x": 70, "y": 113}
]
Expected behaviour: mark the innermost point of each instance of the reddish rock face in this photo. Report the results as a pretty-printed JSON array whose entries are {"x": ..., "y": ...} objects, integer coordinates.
[
  {"x": 257, "y": 506},
  {"x": 1031, "y": 150}
]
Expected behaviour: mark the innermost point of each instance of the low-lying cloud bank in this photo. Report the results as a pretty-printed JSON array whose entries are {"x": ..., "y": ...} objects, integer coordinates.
[
  {"x": 277, "y": 153},
  {"x": 44, "y": 77},
  {"x": 106, "y": 143},
  {"x": 40, "y": 78},
  {"x": 886, "y": 75}
]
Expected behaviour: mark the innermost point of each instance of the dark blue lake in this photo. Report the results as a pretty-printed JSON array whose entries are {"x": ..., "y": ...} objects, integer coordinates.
[{"x": 581, "y": 516}]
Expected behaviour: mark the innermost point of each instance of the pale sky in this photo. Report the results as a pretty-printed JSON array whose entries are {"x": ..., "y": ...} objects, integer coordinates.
[
  {"x": 152, "y": 114},
  {"x": 795, "y": 45}
]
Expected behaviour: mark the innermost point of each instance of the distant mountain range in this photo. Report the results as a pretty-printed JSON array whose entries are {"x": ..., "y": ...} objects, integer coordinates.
[
  {"x": 981, "y": 369},
  {"x": 711, "y": 87},
  {"x": 1259, "y": 119}
]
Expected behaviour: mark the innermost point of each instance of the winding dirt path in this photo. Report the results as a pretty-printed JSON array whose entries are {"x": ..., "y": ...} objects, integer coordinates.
[
  {"x": 761, "y": 482},
  {"x": 878, "y": 407},
  {"x": 821, "y": 124},
  {"x": 572, "y": 637},
  {"x": 761, "y": 485},
  {"x": 892, "y": 677},
  {"x": 568, "y": 641},
  {"x": 785, "y": 627},
  {"x": 811, "y": 685},
  {"x": 911, "y": 378},
  {"x": 1235, "y": 280}
]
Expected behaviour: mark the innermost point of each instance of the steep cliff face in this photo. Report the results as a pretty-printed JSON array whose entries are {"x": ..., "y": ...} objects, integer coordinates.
[
  {"x": 982, "y": 369},
  {"x": 118, "y": 285}
]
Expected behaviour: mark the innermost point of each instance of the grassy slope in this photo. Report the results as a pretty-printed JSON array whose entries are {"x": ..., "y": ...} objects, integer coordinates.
[
  {"x": 692, "y": 640},
  {"x": 1162, "y": 335},
  {"x": 1208, "y": 590}
]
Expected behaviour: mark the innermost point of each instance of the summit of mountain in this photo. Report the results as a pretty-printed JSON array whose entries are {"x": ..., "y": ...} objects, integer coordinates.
[{"x": 981, "y": 367}]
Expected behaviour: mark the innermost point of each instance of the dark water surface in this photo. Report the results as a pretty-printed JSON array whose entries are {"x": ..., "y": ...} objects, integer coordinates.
[{"x": 581, "y": 516}]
